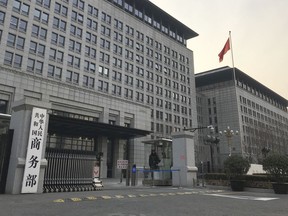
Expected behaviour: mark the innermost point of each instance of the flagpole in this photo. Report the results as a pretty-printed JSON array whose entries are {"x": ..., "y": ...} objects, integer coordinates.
[{"x": 230, "y": 40}]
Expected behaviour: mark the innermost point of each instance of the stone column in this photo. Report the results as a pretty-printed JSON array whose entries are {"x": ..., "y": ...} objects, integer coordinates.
[
  {"x": 102, "y": 142},
  {"x": 183, "y": 159},
  {"x": 20, "y": 123}
]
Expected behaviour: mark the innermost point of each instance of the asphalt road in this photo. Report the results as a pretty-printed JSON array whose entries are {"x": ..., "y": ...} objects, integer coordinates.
[{"x": 158, "y": 201}]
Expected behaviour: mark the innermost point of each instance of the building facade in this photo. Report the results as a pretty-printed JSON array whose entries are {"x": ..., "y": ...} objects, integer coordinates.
[
  {"x": 113, "y": 72},
  {"x": 245, "y": 105}
]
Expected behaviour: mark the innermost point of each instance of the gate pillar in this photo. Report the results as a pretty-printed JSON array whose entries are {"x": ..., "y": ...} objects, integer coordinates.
[
  {"x": 20, "y": 123},
  {"x": 185, "y": 171}
]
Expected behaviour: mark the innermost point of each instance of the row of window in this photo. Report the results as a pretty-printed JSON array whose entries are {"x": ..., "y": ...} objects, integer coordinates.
[
  {"x": 146, "y": 17},
  {"x": 256, "y": 108},
  {"x": 261, "y": 95},
  {"x": 36, "y": 66}
]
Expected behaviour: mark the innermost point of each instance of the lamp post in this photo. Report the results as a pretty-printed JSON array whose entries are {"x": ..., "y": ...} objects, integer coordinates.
[
  {"x": 229, "y": 133},
  {"x": 212, "y": 141}
]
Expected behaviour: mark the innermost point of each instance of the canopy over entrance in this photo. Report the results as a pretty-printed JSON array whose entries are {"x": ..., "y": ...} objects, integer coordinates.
[{"x": 86, "y": 128}]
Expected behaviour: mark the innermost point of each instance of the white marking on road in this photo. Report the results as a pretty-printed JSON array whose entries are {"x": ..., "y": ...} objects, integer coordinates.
[{"x": 244, "y": 197}]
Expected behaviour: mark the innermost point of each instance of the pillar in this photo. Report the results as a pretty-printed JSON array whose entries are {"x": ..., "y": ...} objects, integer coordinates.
[
  {"x": 20, "y": 123},
  {"x": 183, "y": 159}
]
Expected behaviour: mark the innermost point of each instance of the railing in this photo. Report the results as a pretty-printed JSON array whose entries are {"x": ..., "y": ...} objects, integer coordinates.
[
  {"x": 68, "y": 170},
  {"x": 158, "y": 177}
]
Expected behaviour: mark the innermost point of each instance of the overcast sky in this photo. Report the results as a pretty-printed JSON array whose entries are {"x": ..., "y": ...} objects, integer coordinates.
[{"x": 259, "y": 30}]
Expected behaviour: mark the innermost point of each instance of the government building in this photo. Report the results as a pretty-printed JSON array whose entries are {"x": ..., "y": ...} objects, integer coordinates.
[
  {"x": 257, "y": 115},
  {"x": 115, "y": 76}
]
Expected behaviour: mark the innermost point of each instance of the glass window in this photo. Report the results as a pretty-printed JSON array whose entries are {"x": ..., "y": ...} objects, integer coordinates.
[
  {"x": 2, "y": 17},
  {"x": 11, "y": 39},
  {"x": 30, "y": 64},
  {"x": 17, "y": 61},
  {"x": 20, "y": 42},
  {"x": 39, "y": 67}
]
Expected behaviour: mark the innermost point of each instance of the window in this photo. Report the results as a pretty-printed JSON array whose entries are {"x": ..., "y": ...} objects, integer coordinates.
[
  {"x": 105, "y": 31},
  {"x": 89, "y": 66},
  {"x": 44, "y": 3},
  {"x": 59, "y": 24},
  {"x": 17, "y": 23},
  {"x": 79, "y": 4},
  {"x": 37, "y": 48},
  {"x": 73, "y": 61},
  {"x": 57, "y": 39},
  {"x": 30, "y": 64},
  {"x": 3, "y": 103},
  {"x": 41, "y": 16},
  {"x": 2, "y": 17},
  {"x": 39, "y": 32},
  {"x": 78, "y": 17},
  {"x": 90, "y": 52},
  {"x": 55, "y": 72},
  {"x": 76, "y": 31},
  {"x": 72, "y": 76},
  {"x": 56, "y": 55},
  {"x": 74, "y": 46},
  {"x": 91, "y": 38},
  {"x": 92, "y": 11},
  {"x": 129, "y": 30},
  {"x": 103, "y": 86},
  {"x": 39, "y": 67},
  {"x": 92, "y": 24},
  {"x": 60, "y": 9},
  {"x": 118, "y": 24},
  {"x": 106, "y": 18},
  {"x": 21, "y": 7},
  {"x": 12, "y": 59},
  {"x": 3, "y": 2}
]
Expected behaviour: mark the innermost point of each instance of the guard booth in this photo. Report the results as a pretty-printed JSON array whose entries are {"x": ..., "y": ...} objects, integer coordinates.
[{"x": 163, "y": 175}]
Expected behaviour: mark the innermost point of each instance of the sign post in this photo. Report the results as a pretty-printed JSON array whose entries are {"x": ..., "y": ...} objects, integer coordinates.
[{"x": 122, "y": 164}]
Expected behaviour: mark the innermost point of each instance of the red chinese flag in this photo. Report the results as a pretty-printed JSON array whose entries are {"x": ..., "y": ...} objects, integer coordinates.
[{"x": 224, "y": 50}]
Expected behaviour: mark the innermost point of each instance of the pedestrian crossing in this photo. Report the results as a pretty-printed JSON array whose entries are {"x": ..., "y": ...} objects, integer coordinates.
[{"x": 140, "y": 195}]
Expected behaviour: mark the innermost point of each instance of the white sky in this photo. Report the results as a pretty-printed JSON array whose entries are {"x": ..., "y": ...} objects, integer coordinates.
[{"x": 259, "y": 36}]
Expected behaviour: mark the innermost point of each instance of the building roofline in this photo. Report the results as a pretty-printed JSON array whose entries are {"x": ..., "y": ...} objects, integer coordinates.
[
  {"x": 226, "y": 74},
  {"x": 159, "y": 14},
  {"x": 189, "y": 33}
]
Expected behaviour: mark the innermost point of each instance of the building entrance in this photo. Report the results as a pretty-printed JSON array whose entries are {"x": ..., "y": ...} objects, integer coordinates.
[{"x": 5, "y": 149}]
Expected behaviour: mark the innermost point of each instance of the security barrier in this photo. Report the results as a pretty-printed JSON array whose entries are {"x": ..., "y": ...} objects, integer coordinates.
[{"x": 68, "y": 170}]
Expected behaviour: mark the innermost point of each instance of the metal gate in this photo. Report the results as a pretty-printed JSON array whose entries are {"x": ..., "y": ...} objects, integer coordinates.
[{"x": 68, "y": 170}]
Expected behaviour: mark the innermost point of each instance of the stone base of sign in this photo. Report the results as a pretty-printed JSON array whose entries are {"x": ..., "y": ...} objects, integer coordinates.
[
  {"x": 20, "y": 124},
  {"x": 184, "y": 171}
]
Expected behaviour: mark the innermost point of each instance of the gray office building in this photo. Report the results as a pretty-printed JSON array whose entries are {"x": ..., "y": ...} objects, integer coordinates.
[
  {"x": 227, "y": 97},
  {"x": 114, "y": 75}
]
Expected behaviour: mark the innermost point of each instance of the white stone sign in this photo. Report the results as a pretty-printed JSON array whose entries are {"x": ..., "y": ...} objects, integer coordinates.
[{"x": 34, "y": 150}]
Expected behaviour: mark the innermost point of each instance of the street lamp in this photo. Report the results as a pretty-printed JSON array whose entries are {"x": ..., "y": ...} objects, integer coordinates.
[
  {"x": 229, "y": 133},
  {"x": 212, "y": 141}
]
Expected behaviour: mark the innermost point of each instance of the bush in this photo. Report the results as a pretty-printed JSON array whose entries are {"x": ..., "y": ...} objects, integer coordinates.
[
  {"x": 236, "y": 166},
  {"x": 215, "y": 176},
  {"x": 277, "y": 167}
]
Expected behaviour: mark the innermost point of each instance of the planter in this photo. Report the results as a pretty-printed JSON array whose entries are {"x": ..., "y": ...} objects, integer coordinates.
[
  {"x": 280, "y": 188},
  {"x": 237, "y": 185}
]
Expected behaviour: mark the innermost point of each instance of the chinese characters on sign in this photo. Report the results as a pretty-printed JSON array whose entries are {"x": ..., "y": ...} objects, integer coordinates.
[
  {"x": 122, "y": 164},
  {"x": 34, "y": 150}
]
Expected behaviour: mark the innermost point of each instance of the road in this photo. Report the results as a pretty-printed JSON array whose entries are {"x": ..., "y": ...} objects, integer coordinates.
[{"x": 158, "y": 201}]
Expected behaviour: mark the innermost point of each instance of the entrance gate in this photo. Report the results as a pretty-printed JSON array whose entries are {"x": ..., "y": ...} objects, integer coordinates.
[{"x": 68, "y": 170}]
